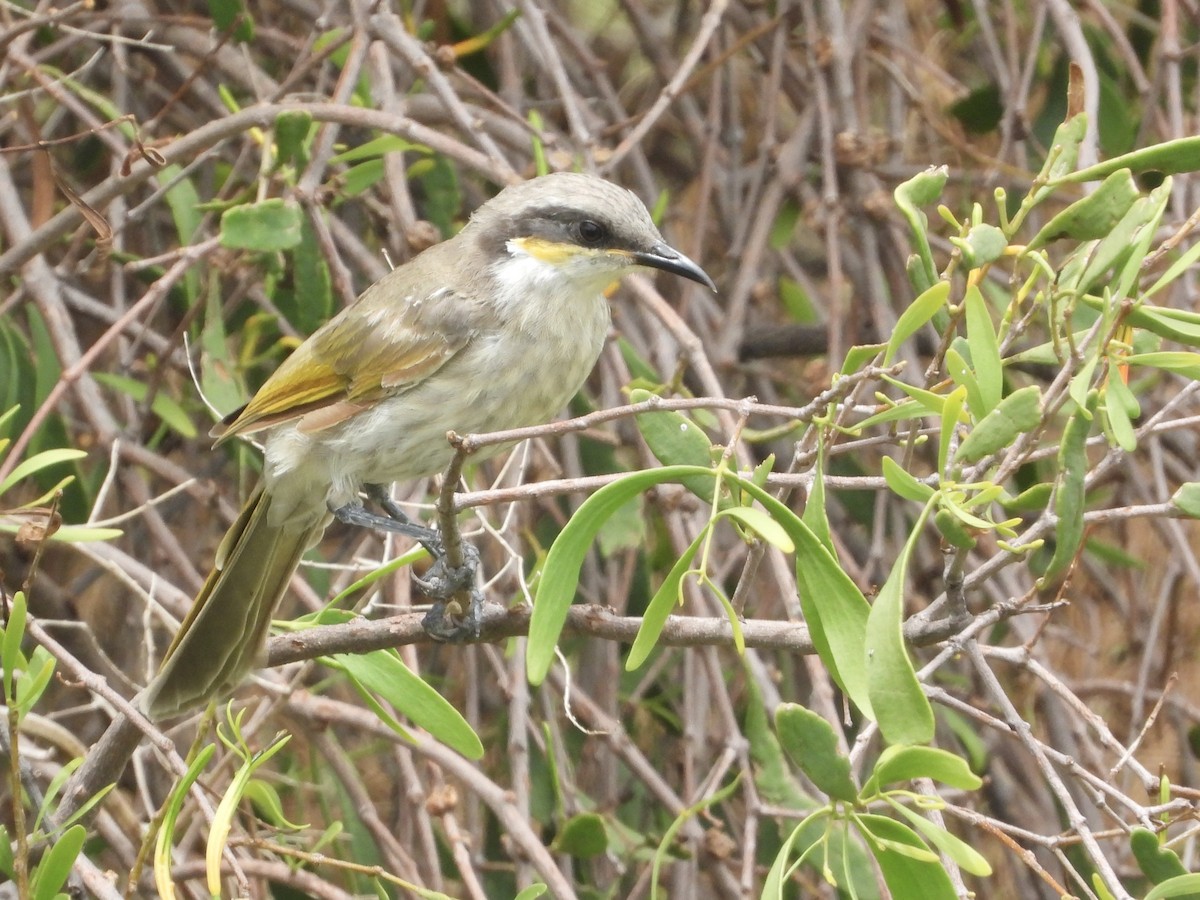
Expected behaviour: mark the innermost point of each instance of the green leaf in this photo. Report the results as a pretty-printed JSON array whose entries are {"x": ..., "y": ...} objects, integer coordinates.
[
  {"x": 815, "y": 516},
  {"x": 267, "y": 803},
  {"x": 37, "y": 463},
  {"x": 388, "y": 143},
  {"x": 166, "y": 832},
  {"x": 964, "y": 377},
  {"x": 762, "y": 525},
  {"x": 983, "y": 245},
  {"x": 833, "y": 606},
  {"x": 922, "y": 189},
  {"x": 1121, "y": 407},
  {"x": 1093, "y": 216},
  {"x": 1181, "y": 886},
  {"x": 1169, "y": 158},
  {"x": 382, "y": 672},
  {"x": 1064, "y": 152},
  {"x": 560, "y": 572},
  {"x": 675, "y": 440},
  {"x": 292, "y": 130},
  {"x": 1069, "y": 496},
  {"x": 665, "y": 599},
  {"x": 11, "y": 658},
  {"x": 900, "y": 705},
  {"x": 231, "y": 16},
  {"x": 903, "y": 484},
  {"x": 54, "y": 869},
  {"x": 163, "y": 406},
  {"x": 1019, "y": 412},
  {"x": 899, "y": 763},
  {"x": 985, "y": 351},
  {"x": 583, "y": 836},
  {"x": 6, "y": 855},
  {"x": 950, "y": 419},
  {"x": 1158, "y": 863},
  {"x": 1130, "y": 272},
  {"x": 908, "y": 867},
  {"x": 1182, "y": 362},
  {"x": 530, "y": 893},
  {"x": 919, "y": 312},
  {"x": 311, "y": 304},
  {"x": 964, "y": 856},
  {"x": 266, "y": 226},
  {"x": 1187, "y": 499},
  {"x": 812, "y": 744},
  {"x": 34, "y": 681}
]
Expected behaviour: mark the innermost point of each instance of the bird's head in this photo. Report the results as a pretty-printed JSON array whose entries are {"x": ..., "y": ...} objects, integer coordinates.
[{"x": 577, "y": 228}]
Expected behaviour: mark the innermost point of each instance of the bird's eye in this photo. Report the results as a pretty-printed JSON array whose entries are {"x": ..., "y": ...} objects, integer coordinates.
[{"x": 591, "y": 232}]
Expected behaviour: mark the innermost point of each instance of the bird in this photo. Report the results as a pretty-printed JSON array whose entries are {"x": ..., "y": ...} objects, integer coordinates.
[{"x": 497, "y": 327}]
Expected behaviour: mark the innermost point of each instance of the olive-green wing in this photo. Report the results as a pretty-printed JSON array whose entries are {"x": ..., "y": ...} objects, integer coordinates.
[{"x": 364, "y": 354}]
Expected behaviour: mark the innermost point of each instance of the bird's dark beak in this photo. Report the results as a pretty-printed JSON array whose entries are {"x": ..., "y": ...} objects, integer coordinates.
[{"x": 662, "y": 256}]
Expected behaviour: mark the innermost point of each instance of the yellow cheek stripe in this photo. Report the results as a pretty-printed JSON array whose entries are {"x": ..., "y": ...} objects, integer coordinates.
[{"x": 547, "y": 251}]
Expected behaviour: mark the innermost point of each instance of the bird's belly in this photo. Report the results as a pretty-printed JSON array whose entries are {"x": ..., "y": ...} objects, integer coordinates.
[{"x": 499, "y": 382}]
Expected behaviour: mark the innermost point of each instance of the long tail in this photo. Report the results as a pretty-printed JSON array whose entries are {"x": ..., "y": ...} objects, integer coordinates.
[{"x": 223, "y": 636}]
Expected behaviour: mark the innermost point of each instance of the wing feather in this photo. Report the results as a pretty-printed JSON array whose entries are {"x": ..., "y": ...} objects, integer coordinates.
[{"x": 371, "y": 350}]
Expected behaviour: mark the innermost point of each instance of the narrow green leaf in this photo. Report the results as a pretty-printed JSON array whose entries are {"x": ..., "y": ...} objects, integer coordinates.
[
  {"x": 163, "y": 405},
  {"x": 814, "y": 515},
  {"x": 1180, "y": 886},
  {"x": 665, "y": 599},
  {"x": 964, "y": 377},
  {"x": 1093, "y": 216},
  {"x": 762, "y": 525},
  {"x": 1019, "y": 412},
  {"x": 899, "y": 763},
  {"x": 1180, "y": 361},
  {"x": 908, "y": 867},
  {"x": 918, "y": 313},
  {"x": 812, "y": 744},
  {"x": 1121, "y": 407},
  {"x": 833, "y": 606},
  {"x": 1069, "y": 499},
  {"x": 166, "y": 832},
  {"x": 985, "y": 350},
  {"x": 955, "y": 401},
  {"x": 39, "y": 462},
  {"x": 55, "y": 867},
  {"x": 1170, "y": 158},
  {"x": 267, "y": 803},
  {"x": 901, "y": 707},
  {"x": 385, "y": 674},
  {"x": 964, "y": 855},
  {"x": 11, "y": 658},
  {"x": 1130, "y": 271},
  {"x": 560, "y": 572},
  {"x": 903, "y": 484},
  {"x": 266, "y": 226},
  {"x": 388, "y": 143}
]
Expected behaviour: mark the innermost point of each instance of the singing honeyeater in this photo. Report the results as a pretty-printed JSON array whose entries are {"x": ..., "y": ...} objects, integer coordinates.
[{"x": 495, "y": 328}]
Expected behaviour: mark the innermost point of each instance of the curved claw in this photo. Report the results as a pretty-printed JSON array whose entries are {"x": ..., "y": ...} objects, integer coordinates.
[{"x": 447, "y": 621}]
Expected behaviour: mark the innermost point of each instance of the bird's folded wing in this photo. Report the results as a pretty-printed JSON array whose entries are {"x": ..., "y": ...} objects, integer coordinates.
[{"x": 345, "y": 367}]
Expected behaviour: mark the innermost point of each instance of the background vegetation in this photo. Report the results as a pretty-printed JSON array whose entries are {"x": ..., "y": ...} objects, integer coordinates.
[{"x": 975, "y": 427}]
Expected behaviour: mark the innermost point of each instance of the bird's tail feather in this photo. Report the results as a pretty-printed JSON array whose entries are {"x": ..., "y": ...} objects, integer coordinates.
[{"x": 223, "y": 636}]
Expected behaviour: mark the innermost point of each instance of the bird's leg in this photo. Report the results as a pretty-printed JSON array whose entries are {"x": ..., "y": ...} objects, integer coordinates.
[{"x": 446, "y": 620}]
